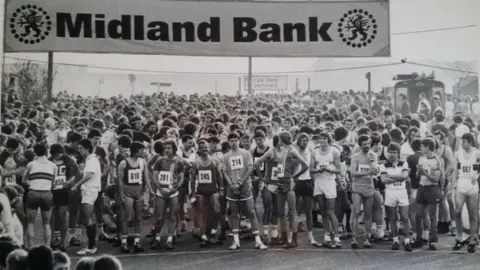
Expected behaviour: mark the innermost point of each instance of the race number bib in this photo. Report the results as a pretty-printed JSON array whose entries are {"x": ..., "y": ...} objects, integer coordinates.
[
  {"x": 467, "y": 169},
  {"x": 10, "y": 181},
  {"x": 236, "y": 163},
  {"x": 261, "y": 166},
  {"x": 398, "y": 183},
  {"x": 363, "y": 168},
  {"x": 60, "y": 178},
  {"x": 281, "y": 171},
  {"x": 274, "y": 173},
  {"x": 322, "y": 166},
  {"x": 164, "y": 178},
  {"x": 134, "y": 176},
  {"x": 204, "y": 176}
]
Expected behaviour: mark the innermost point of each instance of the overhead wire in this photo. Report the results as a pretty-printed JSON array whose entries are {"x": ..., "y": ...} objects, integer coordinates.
[
  {"x": 277, "y": 72},
  {"x": 212, "y": 73},
  {"x": 440, "y": 67},
  {"x": 435, "y": 30}
]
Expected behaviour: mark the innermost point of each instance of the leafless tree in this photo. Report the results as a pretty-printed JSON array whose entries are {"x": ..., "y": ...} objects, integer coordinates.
[{"x": 31, "y": 81}]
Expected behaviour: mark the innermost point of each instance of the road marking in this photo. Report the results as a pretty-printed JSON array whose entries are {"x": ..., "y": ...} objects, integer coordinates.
[{"x": 195, "y": 252}]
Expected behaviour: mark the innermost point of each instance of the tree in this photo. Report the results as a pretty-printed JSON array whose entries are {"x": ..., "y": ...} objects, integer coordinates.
[{"x": 31, "y": 81}]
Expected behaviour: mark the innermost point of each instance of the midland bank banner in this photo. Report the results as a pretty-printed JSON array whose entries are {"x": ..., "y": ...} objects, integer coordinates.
[{"x": 259, "y": 29}]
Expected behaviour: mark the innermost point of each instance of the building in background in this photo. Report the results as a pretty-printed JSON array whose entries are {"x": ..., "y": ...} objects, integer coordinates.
[{"x": 467, "y": 86}]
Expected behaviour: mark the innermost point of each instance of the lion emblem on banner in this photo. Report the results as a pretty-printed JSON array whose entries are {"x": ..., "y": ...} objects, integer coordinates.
[
  {"x": 30, "y": 24},
  {"x": 357, "y": 28}
]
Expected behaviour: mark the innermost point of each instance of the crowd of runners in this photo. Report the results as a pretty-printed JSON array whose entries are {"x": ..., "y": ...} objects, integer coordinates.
[{"x": 97, "y": 168}]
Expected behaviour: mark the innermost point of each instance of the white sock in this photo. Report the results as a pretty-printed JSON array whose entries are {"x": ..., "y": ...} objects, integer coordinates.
[
  {"x": 266, "y": 229},
  {"x": 257, "y": 239},
  {"x": 289, "y": 236},
  {"x": 310, "y": 235},
  {"x": 407, "y": 240},
  {"x": 336, "y": 238},
  {"x": 395, "y": 239},
  {"x": 274, "y": 232},
  {"x": 236, "y": 238},
  {"x": 327, "y": 238},
  {"x": 380, "y": 233},
  {"x": 170, "y": 239},
  {"x": 425, "y": 234}
]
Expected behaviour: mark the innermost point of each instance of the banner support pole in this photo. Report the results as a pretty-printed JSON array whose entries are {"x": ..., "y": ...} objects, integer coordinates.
[
  {"x": 50, "y": 77},
  {"x": 250, "y": 75}
]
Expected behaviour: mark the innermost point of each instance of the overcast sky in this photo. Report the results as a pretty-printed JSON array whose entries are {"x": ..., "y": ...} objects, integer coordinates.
[{"x": 406, "y": 15}]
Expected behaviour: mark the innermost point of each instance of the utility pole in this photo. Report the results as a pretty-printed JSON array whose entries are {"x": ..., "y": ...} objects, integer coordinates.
[
  {"x": 239, "y": 85},
  {"x": 369, "y": 79},
  {"x": 132, "y": 78},
  {"x": 250, "y": 75},
  {"x": 296, "y": 85},
  {"x": 50, "y": 77},
  {"x": 100, "y": 82},
  {"x": 308, "y": 87}
]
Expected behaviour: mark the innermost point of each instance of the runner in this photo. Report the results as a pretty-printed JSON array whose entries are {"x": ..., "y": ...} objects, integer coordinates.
[
  {"x": 363, "y": 166},
  {"x": 269, "y": 193},
  {"x": 429, "y": 170},
  {"x": 304, "y": 187},
  {"x": 394, "y": 174},
  {"x": 39, "y": 176},
  {"x": 325, "y": 164},
  {"x": 207, "y": 191},
  {"x": 237, "y": 169},
  {"x": 67, "y": 173},
  {"x": 465, "y": 186},
  {"x": 90, "y": 186},
  {"x": 168, "y": 173},
  {"x": 132, "y": 173}
]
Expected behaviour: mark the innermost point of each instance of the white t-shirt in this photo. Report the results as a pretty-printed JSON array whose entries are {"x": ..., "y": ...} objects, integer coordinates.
[
  {"x": 460, "y": 130},
  {"x": 405, "y": 151},
  {"x": 92, "y": 165}
]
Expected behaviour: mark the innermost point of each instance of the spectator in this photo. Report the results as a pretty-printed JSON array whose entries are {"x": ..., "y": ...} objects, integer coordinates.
[
  {"x": 7, "y": 245},
  {"x": 61, "y": 261},
  {"x": 17, "y": 260},
  {"x": 107, "y": 262},
  {"x": 40, "y": 258},
  {"x": 85, "y": 263}
]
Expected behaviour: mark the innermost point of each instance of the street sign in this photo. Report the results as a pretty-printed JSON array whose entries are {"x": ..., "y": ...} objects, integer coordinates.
[{"x": 268, "y": 83}]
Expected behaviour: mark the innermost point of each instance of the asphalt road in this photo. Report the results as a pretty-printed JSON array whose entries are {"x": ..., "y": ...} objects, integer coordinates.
[{"x": 188, "y": 255}]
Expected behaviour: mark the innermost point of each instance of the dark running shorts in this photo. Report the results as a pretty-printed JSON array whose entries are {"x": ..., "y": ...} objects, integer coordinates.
[
  {"x": 60, "y": 197},
  {"x": 304, "y": 188},
  {"x": 428, "y": 195},
  {"x": 39, "y": 199}
]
